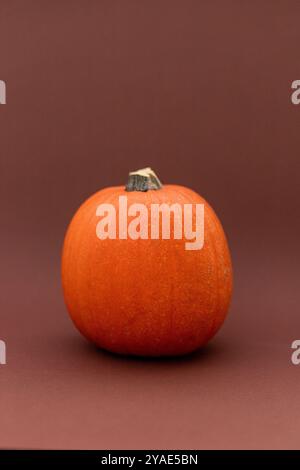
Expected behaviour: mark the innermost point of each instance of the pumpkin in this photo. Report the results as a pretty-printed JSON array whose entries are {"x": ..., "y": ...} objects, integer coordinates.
[{"x": 140, "y": 295}]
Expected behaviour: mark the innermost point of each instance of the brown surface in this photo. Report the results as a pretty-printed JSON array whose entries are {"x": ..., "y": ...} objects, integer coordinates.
[{"x": 201, "y": 92}]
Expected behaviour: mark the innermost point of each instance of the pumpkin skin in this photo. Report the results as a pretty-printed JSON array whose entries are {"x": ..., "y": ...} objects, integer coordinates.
[{"x": 145, "y": 297}]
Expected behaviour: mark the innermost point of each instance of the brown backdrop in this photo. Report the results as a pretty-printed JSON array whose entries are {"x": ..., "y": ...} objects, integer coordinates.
[{"x": 200, "y": 91}]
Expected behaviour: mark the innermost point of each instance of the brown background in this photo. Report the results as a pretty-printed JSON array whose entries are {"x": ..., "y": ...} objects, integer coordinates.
[{"x": 201, "y": 92}]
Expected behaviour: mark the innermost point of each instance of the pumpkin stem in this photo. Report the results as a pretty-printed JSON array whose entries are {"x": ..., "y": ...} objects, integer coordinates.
[{"x": 142, "y": 180}]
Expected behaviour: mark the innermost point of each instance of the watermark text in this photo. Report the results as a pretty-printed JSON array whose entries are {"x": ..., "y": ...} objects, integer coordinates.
[
  {"x": 2, "y": 92},
  {"x": 295, "y": 358},
  {"x": 295, "y": 97},
  {"x": 2, "y": 352},
  {"x": 157, "y": 221}
]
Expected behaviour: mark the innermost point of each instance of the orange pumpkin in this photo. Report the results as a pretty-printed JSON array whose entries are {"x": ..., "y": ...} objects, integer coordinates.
[{"x": 145, "y": 296}]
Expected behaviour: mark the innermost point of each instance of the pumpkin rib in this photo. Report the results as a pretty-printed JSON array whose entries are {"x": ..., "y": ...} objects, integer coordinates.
[
  {"x": 220, "y": 278},
  {"x": 94, "y": 241},
  {"x": 180, "y": 191},
  {"x": 191, "y": 200},
  {"x": 86, "y": 206}
]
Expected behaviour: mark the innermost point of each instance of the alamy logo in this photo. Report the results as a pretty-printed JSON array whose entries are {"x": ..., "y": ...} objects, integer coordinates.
[
  {"x": 2, "y": 352},
  {"x": 2, "y": 92},
  {"x": 295, "y": 358},
  {"x": 152, "y": 221},
  {"x": 295, "y": 97}
]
